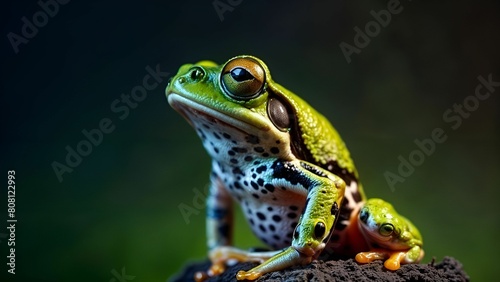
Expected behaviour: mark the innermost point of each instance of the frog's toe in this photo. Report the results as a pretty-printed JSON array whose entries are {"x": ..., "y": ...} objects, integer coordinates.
[
  {"x": 394, "y": 261},
  {"x": 392, "y": 264},
  {"x": 250, "y": 275}
]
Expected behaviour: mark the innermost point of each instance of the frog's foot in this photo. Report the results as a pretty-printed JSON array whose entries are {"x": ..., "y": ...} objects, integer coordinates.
[
  {"x": 393, "y": 259},
  {"x": 225, "y": 255}
]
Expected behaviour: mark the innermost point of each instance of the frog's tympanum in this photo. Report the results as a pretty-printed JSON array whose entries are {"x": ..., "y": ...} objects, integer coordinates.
[{"x": 289, "y": 170}]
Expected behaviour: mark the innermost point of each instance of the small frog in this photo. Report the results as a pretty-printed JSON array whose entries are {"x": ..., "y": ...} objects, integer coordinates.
[
  {"x": 391, "y": 237},
  {"x": 276, "y": 156}
]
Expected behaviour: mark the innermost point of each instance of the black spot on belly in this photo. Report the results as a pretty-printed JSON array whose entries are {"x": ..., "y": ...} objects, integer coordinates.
[
  {"x": 261, "y": 216},
  {"x": 234, "y": 161},
  {"x": 275, "y": 150},
  {"x": 294, "y": 208},
  {"x": 254, "y": 185},
  {"x": 248, "y": 158},
  {"x": 262, "y": 228},
  {"x": 237, "y": 170},
  {"x": 272, "y": 228},
  {"x": 237, "y": 185},
  {"x": 260, "y": 181},
  {"x": 261, "y": 169},
  {"x": 291, "y": 215},
  {"x": 216, "y": 136},
  {"x": 290, "y": 173},
  {"x": 227, "y": 136},
  {"x": 231, "y": 153},
  {"x": 276, "y": 218},
  {"x": 269, "y": 187},
  {"x": 259, "y": 149},
  {"x": 252, "y": 139},
  {"x": 239, "y": 150}
]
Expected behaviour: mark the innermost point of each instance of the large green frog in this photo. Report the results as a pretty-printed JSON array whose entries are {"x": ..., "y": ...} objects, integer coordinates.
[{"x": 282, "y": 161}]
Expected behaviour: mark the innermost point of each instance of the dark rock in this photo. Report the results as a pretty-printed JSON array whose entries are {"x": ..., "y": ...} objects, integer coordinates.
[{"x": 341, "y": 270}]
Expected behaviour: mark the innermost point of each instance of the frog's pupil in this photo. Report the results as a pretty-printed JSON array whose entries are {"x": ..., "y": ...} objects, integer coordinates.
[{"x": 241, "y": 74}]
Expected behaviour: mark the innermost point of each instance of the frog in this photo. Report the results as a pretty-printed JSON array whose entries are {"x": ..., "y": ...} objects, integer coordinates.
[
  {"x": 391, "y": 236},
  {"x": 278, "y": 158}
]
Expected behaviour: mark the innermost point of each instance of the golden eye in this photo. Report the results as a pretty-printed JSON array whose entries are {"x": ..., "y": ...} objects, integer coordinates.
[
  {"x": 386, "y": 229},
  {"x": 243, "y": 78}
]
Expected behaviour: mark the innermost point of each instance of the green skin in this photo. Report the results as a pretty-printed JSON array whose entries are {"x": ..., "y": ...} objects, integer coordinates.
[
  {"x": 237, "y": 108},
  {"x": 390, "y": 235}
]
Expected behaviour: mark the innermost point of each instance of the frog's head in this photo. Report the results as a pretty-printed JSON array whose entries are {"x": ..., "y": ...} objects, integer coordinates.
[
  {"x": 235, "y": 104},
  {"x": 383, "y": 227},
  {"x": 240, "y": 104},
  {"x": 310, "y": 236}
]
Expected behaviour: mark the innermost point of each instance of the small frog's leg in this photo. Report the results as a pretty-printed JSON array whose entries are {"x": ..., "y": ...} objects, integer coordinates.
[
  {"x": 367, "y": 257},
  {"x": 325, "y": 194},
  {"x": 393, "y": 259}
]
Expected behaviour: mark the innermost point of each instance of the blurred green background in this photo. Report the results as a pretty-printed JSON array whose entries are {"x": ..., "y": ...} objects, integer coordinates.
[{"x": 118, "y": 209}]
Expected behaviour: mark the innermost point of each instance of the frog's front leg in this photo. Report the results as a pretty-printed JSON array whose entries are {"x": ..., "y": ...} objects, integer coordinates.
[{"x": 315, "y": 226}]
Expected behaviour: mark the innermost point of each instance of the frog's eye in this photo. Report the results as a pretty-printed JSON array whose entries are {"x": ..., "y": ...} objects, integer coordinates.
[
  {"x": 243, "y": 78},
  {"x": 363, "y": 215},
  {"x": 386, "y": 229},
  {"x": 278, "y": 114},
  {"x": 319, "y": 230}
]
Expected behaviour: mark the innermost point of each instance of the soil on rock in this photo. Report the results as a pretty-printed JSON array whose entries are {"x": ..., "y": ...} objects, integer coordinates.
[{"x": 341, "y": 270}]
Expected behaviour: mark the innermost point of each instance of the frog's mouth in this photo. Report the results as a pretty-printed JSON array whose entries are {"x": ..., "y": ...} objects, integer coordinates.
[{"x": 193, "y": 111}]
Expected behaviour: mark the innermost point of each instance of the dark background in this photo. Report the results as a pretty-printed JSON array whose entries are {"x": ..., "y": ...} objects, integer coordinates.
[{"x": 118, "y": 209}]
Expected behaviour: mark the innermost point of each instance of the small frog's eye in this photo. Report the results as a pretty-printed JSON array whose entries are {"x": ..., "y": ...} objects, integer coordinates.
[
  {"x": 243, "y": 78},
  {"x": 386, "y": 229},
  {"x": 319, "y": 230},
  {"x": 278, "y": 114},
  {"x": 363, "y": 216},
  {"x": 196, "y": 73}
]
